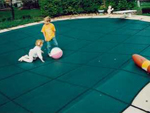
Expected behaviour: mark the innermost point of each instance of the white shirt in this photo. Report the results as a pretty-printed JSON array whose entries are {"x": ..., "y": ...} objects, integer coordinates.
[{"x": 36, "y": 52}]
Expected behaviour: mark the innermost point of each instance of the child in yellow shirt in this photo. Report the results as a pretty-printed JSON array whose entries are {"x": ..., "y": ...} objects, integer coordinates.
[{"x": 48, "y": 31}]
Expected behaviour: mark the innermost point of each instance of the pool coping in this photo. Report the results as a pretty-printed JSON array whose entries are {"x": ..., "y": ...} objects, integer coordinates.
[{"x": 134, "y": 17}]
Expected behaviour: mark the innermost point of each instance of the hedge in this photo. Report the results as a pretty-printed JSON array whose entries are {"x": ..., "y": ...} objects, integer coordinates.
[
  {"x": 66, "y": 7},
  {"x": 55, "y": 8}
]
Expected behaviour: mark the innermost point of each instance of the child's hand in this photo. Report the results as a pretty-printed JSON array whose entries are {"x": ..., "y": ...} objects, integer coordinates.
[
  {"x": 43, "y": 61},
  {"x": 42, "y": 51}
]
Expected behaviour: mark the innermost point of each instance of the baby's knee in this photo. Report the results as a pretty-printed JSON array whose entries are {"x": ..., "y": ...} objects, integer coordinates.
[{"x": 30, "y": 60}]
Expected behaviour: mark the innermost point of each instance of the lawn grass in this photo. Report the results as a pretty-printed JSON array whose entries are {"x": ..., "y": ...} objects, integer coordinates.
[
  {"x": 145, "y": 4},
  {"x": 21, "y": 17},
  {"x": 146, "y": 14},
  {"x": 20, "y": 13}
]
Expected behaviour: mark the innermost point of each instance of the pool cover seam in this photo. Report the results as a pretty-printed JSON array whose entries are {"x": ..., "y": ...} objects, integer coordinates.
[
  {"x": 98, "y": 39},
  {"x": 110, "y": 73},
  {"x": 119, "y": 68},
  {"x": 50, "y": 62},
  {"x": 56, "y": 78},
  {"x": 67, "y": 44},
  {"x": 21, "y": 38},
  {"x": 144, "y": 49},
  {"x": 95, "y": 32},
  {"x": 68, "y": 19},
  {"x": 89, "y": 88},
  {"x": 24, "y": 70},
  {"x": 129, "y": 104},
  {"x": 24, "y": 48},
  {"x": 119, "y": 28},
  {"x": 125, "y": 39},
  {"x": 140, "y": 108},
  {"x": 39, "y": 65},
  {"x": 10, "y": 100},
  {"x": 14, "y": 50},
  {"x": 83, "y": 86},
  {"x": 50, "y": 80},
  {"x": 9, "y": 41},
  {"x": 74, "y": 38},
  {"x": 102, "y": 33},
  {"x": 67, "y": 56},
  {"x": 10, "y": 63},
  {"x": 20, "y": 48},
  {"x": 94, "y": 84}
]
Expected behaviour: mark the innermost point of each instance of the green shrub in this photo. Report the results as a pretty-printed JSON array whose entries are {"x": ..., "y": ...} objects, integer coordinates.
[
  {"x": 66, "y": 7},
  {"x": 112, "y": 3},
  {"x": 71, "y": 7},
  {"x": 90, "y": 6},
  {"x": 122, "y": 5},
  {"x": 26, "y": 17},
  {"x": 9, "y": 19},
  {"x": 131, "y": 4},
  {"x": 55, "y": 8},
  {"x": 51, "y": 8}
]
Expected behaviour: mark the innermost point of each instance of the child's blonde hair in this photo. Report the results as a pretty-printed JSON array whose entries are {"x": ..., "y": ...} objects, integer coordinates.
[
  {"x": 47, "y": 19},
  {"x": 39, "y": 42}
]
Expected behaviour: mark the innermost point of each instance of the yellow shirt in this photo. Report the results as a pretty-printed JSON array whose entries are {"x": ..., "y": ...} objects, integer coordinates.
[{"x": 49, "y": 31}]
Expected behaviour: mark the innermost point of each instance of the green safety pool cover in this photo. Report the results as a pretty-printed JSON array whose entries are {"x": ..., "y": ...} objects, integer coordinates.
[{"x": 95, "y": 75}]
